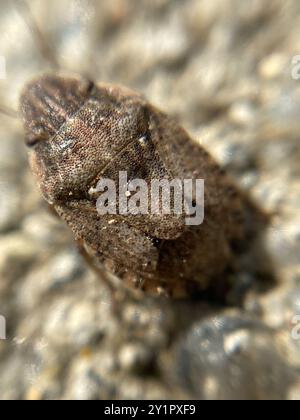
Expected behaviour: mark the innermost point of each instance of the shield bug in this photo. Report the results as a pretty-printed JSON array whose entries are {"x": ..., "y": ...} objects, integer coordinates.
[{"x": 79, "y": 133}]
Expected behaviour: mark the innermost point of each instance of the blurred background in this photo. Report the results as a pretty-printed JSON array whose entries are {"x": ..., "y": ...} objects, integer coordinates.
[{"x": 228, "y": 71}]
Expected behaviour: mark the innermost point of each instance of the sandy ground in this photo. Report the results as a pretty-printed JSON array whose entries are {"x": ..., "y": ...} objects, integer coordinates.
[{"x": 225, "y": 69}]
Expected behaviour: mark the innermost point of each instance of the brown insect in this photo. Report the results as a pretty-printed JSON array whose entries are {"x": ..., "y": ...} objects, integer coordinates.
[{"x": 77, "y": 133}]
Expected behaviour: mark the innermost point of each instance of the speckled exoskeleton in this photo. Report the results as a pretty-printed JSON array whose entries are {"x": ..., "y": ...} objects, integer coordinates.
[{"x": 78, "y": 132}]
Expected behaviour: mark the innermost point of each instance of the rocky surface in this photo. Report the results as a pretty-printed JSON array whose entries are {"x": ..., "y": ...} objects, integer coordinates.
[{"x": 224, "y": 68}]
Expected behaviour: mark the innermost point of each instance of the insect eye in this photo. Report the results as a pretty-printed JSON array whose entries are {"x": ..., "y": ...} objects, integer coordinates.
[{"x": 34, "y": 138}]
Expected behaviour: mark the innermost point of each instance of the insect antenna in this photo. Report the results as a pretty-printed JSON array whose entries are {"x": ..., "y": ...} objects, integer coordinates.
[
  {"x": 9, "y": 112},
  {"x": 44, "y": 47}
]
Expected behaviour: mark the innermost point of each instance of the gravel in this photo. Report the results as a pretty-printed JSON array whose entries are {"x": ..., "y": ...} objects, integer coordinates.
[{"x": 224, "y": 69}]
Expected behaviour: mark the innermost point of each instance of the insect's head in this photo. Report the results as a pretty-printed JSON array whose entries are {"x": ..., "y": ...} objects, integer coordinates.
[
  {"x": 74, "y": 128},
  {"x": 48, "y": 102}
]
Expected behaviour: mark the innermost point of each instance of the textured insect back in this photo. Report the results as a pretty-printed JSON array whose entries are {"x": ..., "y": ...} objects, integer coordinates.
[
  {"x": 50, "y": 104},
  {"x": 82, "y": 135}
]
